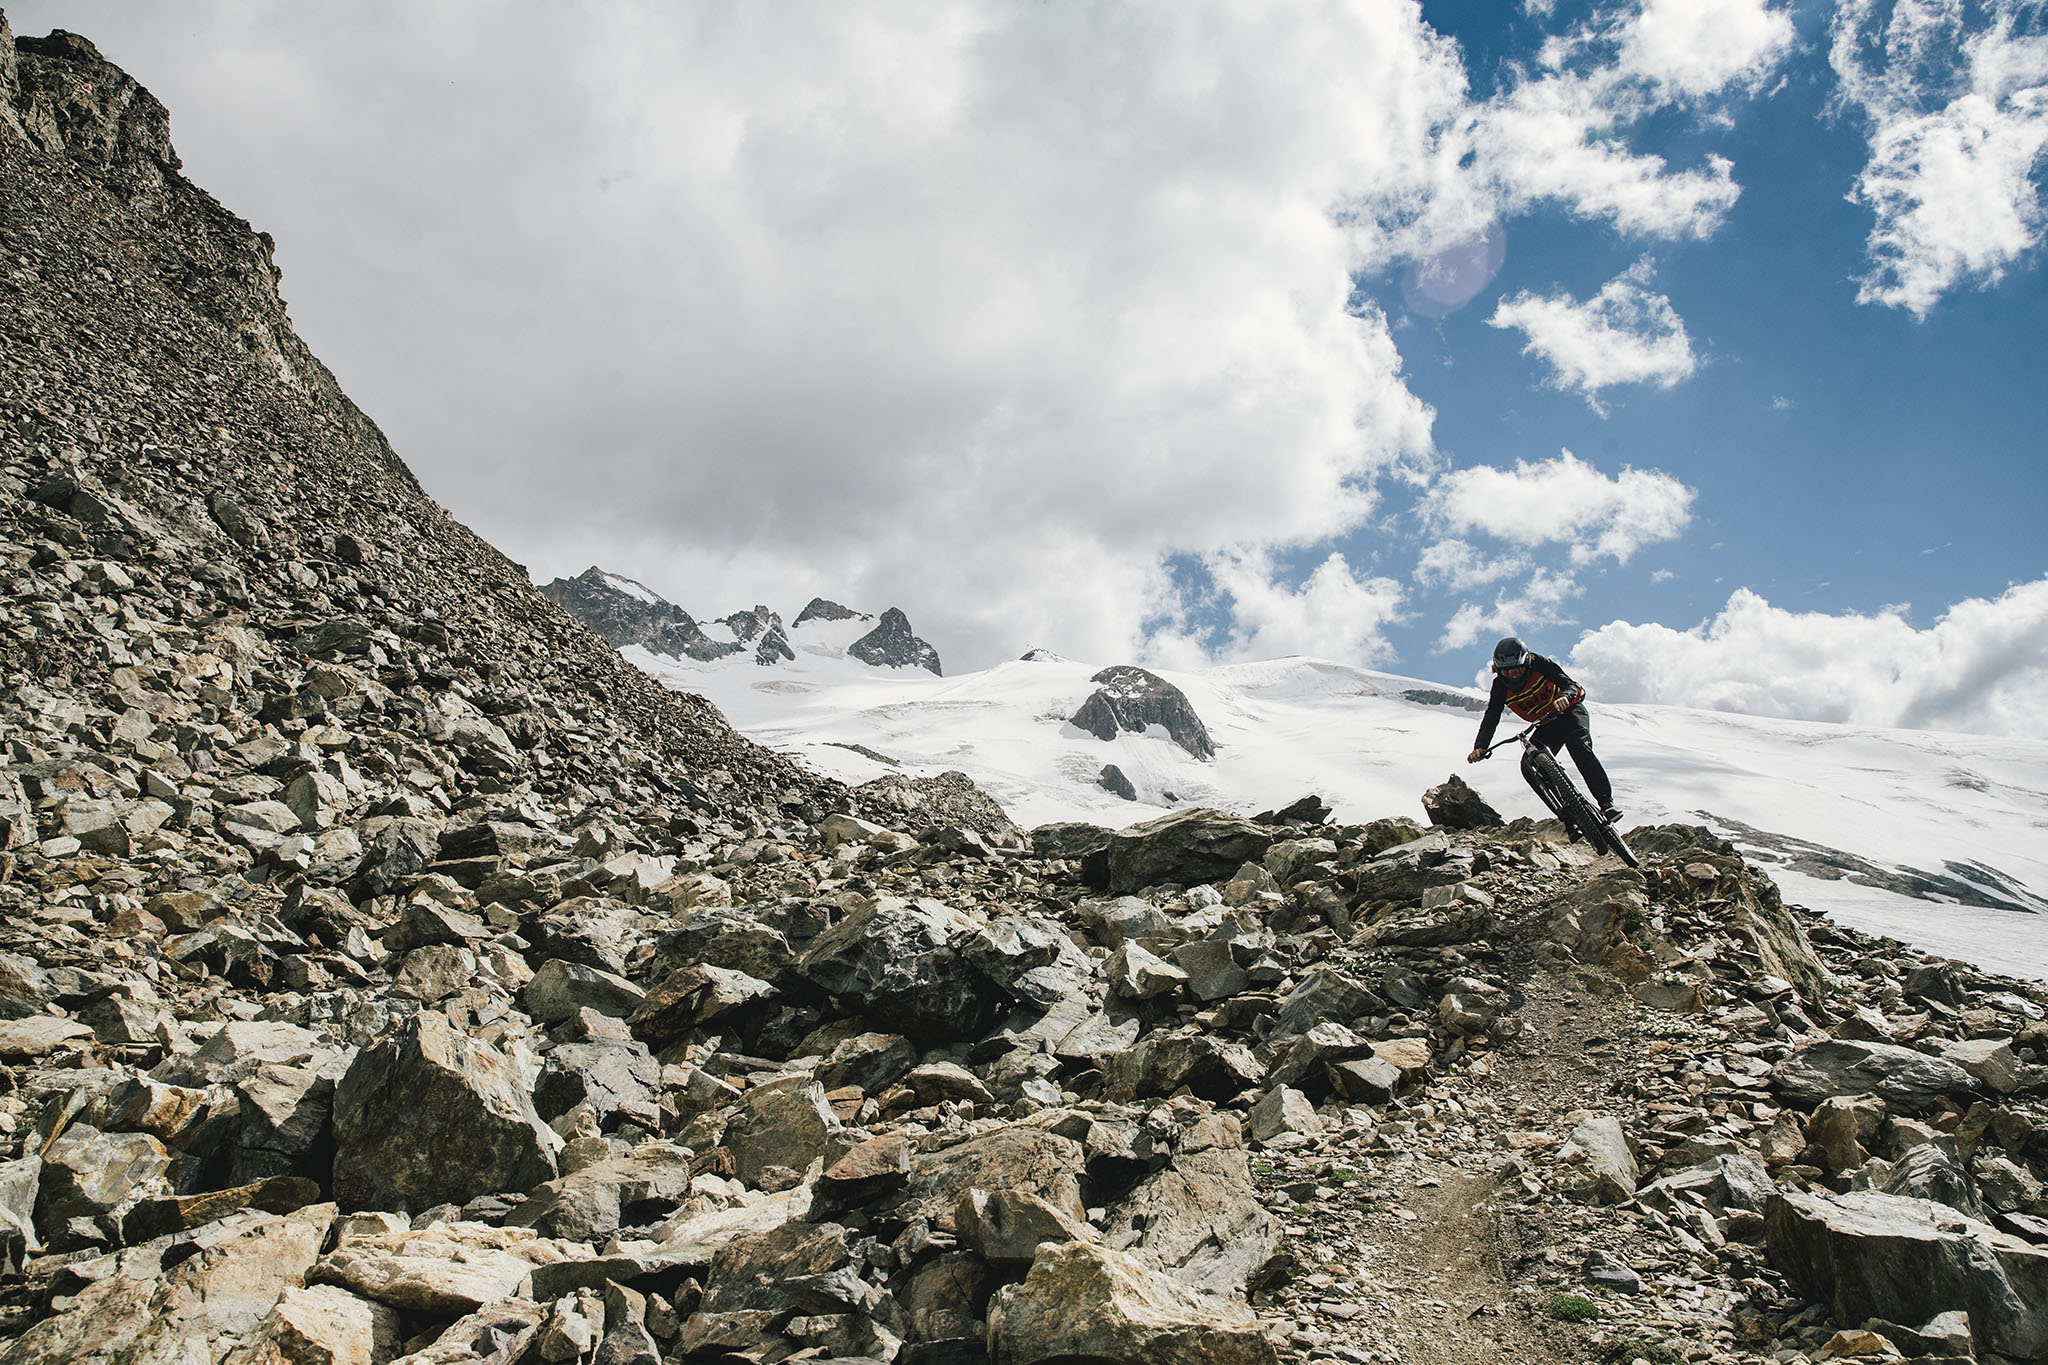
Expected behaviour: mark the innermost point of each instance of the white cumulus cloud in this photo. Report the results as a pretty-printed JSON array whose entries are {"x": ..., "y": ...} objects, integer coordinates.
[
  {"x": 1334, "y": 610},
  {"x": 1539, "y": 602},
  {"x": 1565, "y": 501},
  {"x": 1625, "y": 334},
  {"x": 1981, "y": 667},
  {"x": 1958, "y": 126},
  {"x": 1459, "y": 565}
]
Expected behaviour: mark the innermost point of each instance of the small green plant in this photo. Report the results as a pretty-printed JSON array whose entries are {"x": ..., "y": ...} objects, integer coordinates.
[
  {"x": 1300, "y": 1210},
  {"x": 1345, "y": 1176},
  {"x": 1625, "y": 1349},
  {"x": 1574, "y": 1308},
  {"x": 1262, "y": 1168}
]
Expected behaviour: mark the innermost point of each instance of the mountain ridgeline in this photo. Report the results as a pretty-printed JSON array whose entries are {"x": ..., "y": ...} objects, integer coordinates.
[
  {"x": 628, "y": 613},
  {"x": 392, "y": 974}
]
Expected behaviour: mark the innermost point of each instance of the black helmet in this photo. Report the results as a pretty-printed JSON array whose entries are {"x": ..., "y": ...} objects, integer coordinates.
[{"x": 1510, "y": 653}]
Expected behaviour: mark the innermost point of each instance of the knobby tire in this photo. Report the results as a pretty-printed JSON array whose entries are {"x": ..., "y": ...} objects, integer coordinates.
[{"x": 1563, "y": 797}]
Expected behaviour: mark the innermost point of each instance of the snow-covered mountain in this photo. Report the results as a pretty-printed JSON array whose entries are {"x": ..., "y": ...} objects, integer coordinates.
[
  {"x": 1939, "y": 839},
  {"x": 631, "y": 615}
]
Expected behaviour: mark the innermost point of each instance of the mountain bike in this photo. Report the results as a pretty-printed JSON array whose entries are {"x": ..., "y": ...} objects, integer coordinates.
[{"x": 1557, "y": 791}]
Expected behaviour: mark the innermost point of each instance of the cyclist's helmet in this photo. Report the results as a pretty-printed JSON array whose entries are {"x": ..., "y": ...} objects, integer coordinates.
[{"x": 1510, "y": 653}]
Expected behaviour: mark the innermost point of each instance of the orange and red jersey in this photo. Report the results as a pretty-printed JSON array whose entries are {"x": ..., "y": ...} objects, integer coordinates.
[{"x": 1533, "y": 696}]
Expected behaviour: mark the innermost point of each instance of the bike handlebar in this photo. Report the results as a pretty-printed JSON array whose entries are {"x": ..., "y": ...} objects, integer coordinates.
[{"x": 1487, "y": 752}]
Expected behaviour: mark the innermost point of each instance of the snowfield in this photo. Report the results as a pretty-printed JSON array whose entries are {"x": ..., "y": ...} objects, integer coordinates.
[{"x": 1937, "y": 839}]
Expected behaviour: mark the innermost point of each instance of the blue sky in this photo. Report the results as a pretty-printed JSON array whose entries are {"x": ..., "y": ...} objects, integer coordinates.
[
  {"x": 1097, "y": 326},
  {"x": 1846, "y": 456}
]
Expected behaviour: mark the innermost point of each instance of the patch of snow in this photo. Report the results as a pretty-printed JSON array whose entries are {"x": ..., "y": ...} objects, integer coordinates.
[
  {"x": 1287, "y": 727},
  {"x": 638, "y": 591}
]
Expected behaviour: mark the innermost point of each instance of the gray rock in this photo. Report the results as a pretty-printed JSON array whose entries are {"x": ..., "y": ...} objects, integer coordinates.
[
  {"x": 1324, "y": 994},
  {"x": 1186, "y": 848},
  {"x": 1404, "y": 872},
  {"x": 1283, "y": 1111},
  {"x": 1136, "y": 974},
  {"x": 615, "y": 1077},
  {"x": 902, "y": 964},
  {"x": 1198, "y": 1221},
  {"x": 689, "y": 997},
  {"x": 1454, "y": 805},
  {"x": 868, "y": 1062},
  {"x": 589, "y": 1204},
  {"x": 1211, "y": 968},
  {"x": 1016, "y": 1157},
  {"x": 432, "y": 1116},
  {"x": 1931, "y": 1172},
  {"x": 1084, "y": 1302},
  {"x": 1005, "y": 1227},
  {"x": 783, "y": 1123},
  {"x": 561, "y": 988},
  {"x": 89, "y": 1179},
  {"x": 1880, "y": 1255},
  {"x": 892, "y": 645},
  {"x": 1115, "y": 783},
  {"x": 1905, "y": 1079},
  {"x": 1129, "y": 699},
  {"x": 1163, "y": 1062},
  {"x": 1606, "y": 1171}
]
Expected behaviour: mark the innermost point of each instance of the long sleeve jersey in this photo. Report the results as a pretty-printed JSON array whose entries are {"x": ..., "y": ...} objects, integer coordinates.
[{"x": 1531, "y": 696}]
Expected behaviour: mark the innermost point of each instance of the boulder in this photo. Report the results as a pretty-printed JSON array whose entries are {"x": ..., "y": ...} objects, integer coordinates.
[
  {"x": 433, "y": 1116},
  {"x": 444, "y": 1268},
  {"x": 1136, "y": 974},
  {"x": 1606, "y": 1168},
  {"x": 615, "y": 1077},
  {"x": 786, "y": 1122},
  {"x": 1868, "y": 1255},
  {"x": 561, "y": 988},
  {"x": 210, "y": 1301},
  {"x": 1198, "y": 1220},
  {"x": 1005, "y": 1227},
  {"x": 1186, "y": 848},
  {"x": 323, "y": 1324},
  {"x": 1405, "y": 871},
  {"x": 1085, "y": 1302},
  {"x": 1283, "y": 1111},
  {"x": 1016, "y": 1157},
  {"x": 1454, "y": 805},
  {"x": 902, "y": 964},
  {"x": 692, "y": 996},
  {"x": 1905, "y": 1079},
  {"x": 1163, "y": 1062},
  {"x": 590, "y": 1204}
]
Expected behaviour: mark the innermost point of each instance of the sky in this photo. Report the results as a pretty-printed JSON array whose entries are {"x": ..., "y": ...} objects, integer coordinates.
[{"x": 1698, "y": 342}]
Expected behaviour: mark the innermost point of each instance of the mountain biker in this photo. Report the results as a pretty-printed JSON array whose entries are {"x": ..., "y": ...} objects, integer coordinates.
[{"x": 1536, "y": 689}]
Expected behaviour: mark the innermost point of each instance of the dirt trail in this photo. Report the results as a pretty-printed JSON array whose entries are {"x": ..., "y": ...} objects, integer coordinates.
[{"x": 1433, "y": 1239}]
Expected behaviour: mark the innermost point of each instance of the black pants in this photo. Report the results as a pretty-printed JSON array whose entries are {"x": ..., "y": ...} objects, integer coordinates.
[{"x": 1574, "y": 732}]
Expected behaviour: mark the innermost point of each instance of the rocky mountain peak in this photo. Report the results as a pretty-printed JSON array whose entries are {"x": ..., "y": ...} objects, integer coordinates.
[
  {"x": 64, "y": 99},
  {"x": 891, "y": 644},
  {"x": 628, "y": 613},
  {"x": 1131, "y": 699},
  {"x": 824, "y": 609}
]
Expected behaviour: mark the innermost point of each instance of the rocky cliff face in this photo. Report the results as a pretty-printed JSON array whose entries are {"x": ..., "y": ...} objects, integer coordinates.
[
  {"x": 390, "y": 973},
  {"x": 1132, "y": 699}
]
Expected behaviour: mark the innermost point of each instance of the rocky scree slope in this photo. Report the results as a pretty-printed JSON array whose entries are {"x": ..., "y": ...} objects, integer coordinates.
[{"x": 389, "y": 973}]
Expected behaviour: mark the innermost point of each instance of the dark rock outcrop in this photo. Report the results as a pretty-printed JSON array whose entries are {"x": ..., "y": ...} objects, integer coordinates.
[
  {"x": 1130, "y": 699},
  {"x": 892, "y": 645},
  {"x": 1454, "y": 805}
]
